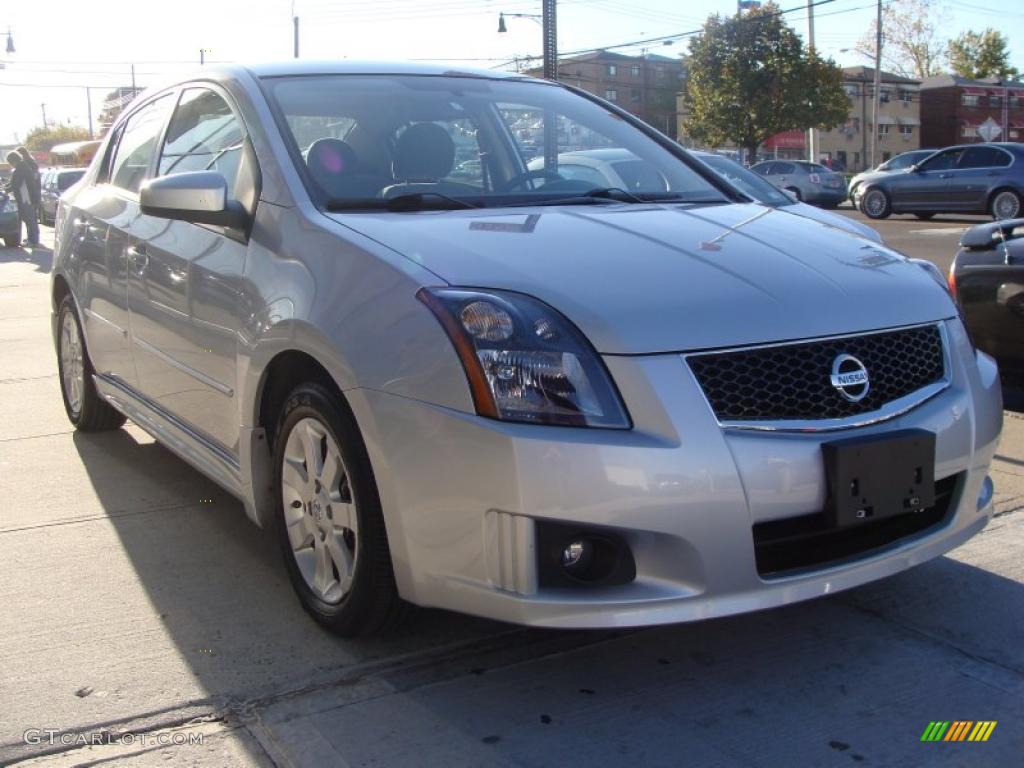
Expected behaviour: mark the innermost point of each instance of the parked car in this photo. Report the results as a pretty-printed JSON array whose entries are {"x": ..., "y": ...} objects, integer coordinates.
[
  {"x": 55, "y": 181},
  {"x": 763, "y": 191},
  {"x": 559, "y": 405},
  {"x": 607, "y": 167},
  {"x": 900, "y": 162},
  {"x": 10, "y": 222},
  {"x": 971, "y": 178},
  {"x": 987, "y": 277},
  {"x": 808, "y": 182}
]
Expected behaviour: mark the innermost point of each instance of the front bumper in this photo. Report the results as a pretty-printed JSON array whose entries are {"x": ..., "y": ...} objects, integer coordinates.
[{"x": 462, "y": 497}]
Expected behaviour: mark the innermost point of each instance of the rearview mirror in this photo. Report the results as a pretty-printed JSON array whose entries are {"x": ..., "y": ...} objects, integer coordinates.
[{"x": 199, "y": 197}]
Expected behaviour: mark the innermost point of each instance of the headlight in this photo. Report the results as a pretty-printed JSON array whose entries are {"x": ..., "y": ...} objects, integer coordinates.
[{"x": 524, "y": 361}]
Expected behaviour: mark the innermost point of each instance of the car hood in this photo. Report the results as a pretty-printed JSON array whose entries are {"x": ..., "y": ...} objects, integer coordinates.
[
  {"x": 833, "y": 220},
  {"x": 642, "y": 279},
  {"x": 863, "y": 176}
]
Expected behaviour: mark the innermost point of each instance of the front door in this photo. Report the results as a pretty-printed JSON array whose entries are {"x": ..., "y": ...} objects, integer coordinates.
[
  {"x": 185, "y": 302},
  {"x": 926, "y": 187}
]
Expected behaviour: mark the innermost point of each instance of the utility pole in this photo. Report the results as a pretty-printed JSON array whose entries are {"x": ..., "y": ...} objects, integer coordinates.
[
  {"x": 812, "y": 133},
  {"x": 550, "y": 33},
  {"x": 202, "y": 56},
  {"x": 43, "y": 106},
  {"x": 877, "y": 95},
  {"x": 295, "y": 24},
  {"x": 548, "y": 21},
  {"x": 133, "y": 79},
  {"x": 88, "y": 105}
]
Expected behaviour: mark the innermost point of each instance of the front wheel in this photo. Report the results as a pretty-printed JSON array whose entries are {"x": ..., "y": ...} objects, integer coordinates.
[
  {"x": 875, "y": 204},
  {"x": 1006, "y": 205},
  {"x": 85, "y": 408},
  {"x": 329, "y": 521},
  {"x": 11, "y": 241}
]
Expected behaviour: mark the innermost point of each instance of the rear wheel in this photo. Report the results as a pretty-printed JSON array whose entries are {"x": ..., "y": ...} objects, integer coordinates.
[
  {"x": 875, "y": 204},
  {"x": 796, "y": 193},
  {"x": 329, "y": 521},
  {"x": 1006, "y": 204},
  {"x": 85, "y": 408}
]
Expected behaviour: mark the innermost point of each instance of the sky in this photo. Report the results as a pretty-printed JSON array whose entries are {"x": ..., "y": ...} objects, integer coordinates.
[{"x": 72, "y": 52}]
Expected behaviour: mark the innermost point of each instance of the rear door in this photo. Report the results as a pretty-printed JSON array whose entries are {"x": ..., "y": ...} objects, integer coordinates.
[
  {"x": 185, "y": 302},
  {"x": 979, "y": 170},
  {"x": 97, "y": 232}
]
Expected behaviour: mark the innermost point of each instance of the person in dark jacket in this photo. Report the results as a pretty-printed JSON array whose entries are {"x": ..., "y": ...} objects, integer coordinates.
[
  {"x": 37, "y": 185},
  {"x": 21, "y": 185}
]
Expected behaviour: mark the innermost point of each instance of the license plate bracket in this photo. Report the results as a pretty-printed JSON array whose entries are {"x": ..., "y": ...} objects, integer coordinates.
[{"x": 878, "y": 476}]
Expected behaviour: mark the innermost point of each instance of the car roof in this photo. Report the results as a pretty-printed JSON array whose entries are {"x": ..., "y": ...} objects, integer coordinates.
[{"x": 294, "y": 67}]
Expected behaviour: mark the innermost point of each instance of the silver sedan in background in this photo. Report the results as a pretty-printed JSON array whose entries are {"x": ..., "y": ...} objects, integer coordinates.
[
  {"x": 559, "y": 404},
  {"x": 808, "y": 182}
]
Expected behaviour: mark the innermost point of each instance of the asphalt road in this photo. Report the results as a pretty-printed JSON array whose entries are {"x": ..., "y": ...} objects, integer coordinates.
[{"x": 135, "y": 598}]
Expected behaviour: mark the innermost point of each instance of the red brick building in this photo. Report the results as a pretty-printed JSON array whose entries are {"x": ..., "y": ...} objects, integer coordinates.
[
  {"x": 644, "y": 85},
  {"x": 957, "y": 110}
]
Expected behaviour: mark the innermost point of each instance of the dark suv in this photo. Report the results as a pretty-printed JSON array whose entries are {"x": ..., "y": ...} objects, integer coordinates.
[
  {"x": 971, "y": 178},
  {"x": 52, "y": 185}
]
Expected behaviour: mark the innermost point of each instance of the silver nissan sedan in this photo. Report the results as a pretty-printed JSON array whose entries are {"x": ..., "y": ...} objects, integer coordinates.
[{"x": 444, "y": 379}]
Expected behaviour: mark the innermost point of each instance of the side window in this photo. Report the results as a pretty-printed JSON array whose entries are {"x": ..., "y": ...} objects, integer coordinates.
[
  {"x": 764, "y": 169},
  {"x": 203, "y": 135},
  {"x": 943, "y": 161},
  {"x": 783, "y": 169},
  {"x": 983, "y": 157},
  {"x": 136, "y": 145}
]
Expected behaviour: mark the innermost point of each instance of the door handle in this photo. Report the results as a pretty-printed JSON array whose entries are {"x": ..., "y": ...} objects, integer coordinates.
[
  {"x": 138, "y": 258},
  {"x": 945, "y": 175}
]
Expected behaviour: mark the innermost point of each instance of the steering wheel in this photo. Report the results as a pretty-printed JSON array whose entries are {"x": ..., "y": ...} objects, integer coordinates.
[{"x": 520, "y": 179}]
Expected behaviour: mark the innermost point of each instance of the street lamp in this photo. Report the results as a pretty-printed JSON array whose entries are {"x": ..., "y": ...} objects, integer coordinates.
[{"x": 549, "y": 34}]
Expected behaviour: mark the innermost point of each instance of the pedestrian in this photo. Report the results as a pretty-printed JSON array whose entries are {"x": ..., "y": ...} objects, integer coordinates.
[
  {"x": 35, "y": 190},
  {"x": 21, "y": 186}
]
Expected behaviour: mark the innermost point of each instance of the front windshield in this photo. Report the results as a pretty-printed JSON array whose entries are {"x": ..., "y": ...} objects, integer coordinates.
[
  {"x": 475, "y": 141},
  {"x": 746, "y": 180}
]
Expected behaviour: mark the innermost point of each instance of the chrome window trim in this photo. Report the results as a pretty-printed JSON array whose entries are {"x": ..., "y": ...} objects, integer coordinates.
[{"x": 890, "y": 410}]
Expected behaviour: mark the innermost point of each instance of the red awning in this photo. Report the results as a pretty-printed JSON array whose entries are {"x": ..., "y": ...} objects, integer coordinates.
[
  {"x": 1017, "y": 125},
  {"x": 786, "y": 140},
  {"x": 975, "y": 91}
]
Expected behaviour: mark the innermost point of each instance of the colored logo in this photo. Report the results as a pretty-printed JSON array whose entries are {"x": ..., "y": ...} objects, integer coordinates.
[{"x": 958, "y": 730}]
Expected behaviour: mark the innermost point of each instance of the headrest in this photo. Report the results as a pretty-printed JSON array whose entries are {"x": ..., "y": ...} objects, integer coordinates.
[{"x": 425, "y": 152}]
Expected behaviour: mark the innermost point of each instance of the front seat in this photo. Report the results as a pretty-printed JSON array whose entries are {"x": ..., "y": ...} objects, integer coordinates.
[
  {"x": 424, "y": 156},
  {"x": 335, "y": 168}
]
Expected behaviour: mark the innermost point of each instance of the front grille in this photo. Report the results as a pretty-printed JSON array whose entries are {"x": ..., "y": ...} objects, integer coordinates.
[
  {"x": 784, "y": 547},
  {"x": 793, "y": 381}
]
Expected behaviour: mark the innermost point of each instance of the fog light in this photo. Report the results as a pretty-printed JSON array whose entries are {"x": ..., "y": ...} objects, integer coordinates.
[{"x": 575, "y": 554}]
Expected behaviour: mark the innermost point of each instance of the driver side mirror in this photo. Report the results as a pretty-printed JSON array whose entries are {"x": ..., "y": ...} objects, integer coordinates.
[{"x": 199, "y": 197}]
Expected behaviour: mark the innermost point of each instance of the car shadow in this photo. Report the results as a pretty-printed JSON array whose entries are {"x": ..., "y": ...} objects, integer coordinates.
[
  {"x": 222, "y": 596},
  {"x": 39, "y": 256}
]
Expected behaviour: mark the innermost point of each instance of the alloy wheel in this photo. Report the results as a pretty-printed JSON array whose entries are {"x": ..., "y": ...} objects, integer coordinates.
[
  {"x": 72, "y": 362},
  {"x": 319, "y": 510},
  {"x": 874, "y": 203},
  {"x": 1006, "y": 205}
]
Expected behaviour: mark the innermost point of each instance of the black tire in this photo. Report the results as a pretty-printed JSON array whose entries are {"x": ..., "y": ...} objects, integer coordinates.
[
  {"x": 372, "y": 604},
  {"x": 12, "y": 242},
  {"x": 94, "y": 414},
  {"x": 997, "y": 202},
  {"x": 875, "y": 204},
  {"x": 925, "y": 216},
  {"x": 796, "y": 193}
]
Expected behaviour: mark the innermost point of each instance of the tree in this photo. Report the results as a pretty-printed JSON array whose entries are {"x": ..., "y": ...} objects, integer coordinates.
[
  {"x": 911, "y": 43},
  {"x": 981, "y": 54},
  {"x": 44, "y": 138},
  {"x": 750, "y": 78}
]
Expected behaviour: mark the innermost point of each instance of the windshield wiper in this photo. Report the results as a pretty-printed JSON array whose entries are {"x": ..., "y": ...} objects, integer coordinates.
[
  {"x": 413, "y": 201},
  {"x": 613, "y": 193}
]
